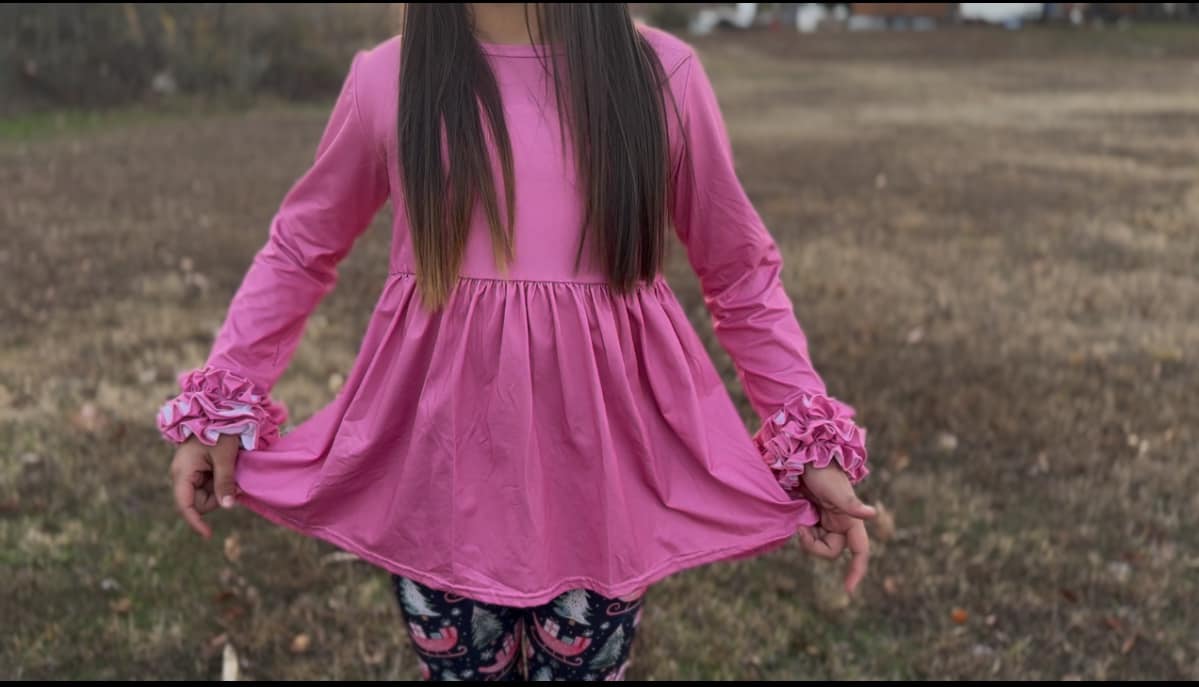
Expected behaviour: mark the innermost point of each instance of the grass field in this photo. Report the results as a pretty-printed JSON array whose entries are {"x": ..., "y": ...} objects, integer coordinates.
[{"x": 991, "y": 238}]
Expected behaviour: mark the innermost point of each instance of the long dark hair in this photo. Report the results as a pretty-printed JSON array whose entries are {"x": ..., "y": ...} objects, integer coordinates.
[{"x": 611, "y": 100}]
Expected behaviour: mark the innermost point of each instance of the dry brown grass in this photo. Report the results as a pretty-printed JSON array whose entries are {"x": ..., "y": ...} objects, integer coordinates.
[{"x": 988, "y": 236}]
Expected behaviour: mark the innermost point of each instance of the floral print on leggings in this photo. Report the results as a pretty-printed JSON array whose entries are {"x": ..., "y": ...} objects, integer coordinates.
[{"x": 579, "y": 635}]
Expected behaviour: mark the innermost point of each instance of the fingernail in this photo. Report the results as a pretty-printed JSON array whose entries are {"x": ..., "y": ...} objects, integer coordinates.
[{"x": 227, "y": 501}]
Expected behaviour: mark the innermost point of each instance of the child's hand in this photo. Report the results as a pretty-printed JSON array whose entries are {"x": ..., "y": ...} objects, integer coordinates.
[
  {"x": 203, "y": 479},
  {"x": 842, "y": 521}
]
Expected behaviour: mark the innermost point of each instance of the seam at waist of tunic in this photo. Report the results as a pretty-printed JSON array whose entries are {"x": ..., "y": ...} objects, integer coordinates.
[{"x": 658, "y": 279}]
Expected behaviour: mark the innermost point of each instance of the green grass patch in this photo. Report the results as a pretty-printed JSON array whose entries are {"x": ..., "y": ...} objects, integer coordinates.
[{"x": 57, "y": 123}]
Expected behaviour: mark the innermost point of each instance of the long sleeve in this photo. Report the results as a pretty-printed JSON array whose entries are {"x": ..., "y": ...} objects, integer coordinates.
[
  {"x": 320, "y": 217},
  {"x": 739, "y": 266}
]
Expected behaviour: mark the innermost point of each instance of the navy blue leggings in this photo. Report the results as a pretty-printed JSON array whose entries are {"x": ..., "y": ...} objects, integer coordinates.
[{"x": 579, "y": 635}]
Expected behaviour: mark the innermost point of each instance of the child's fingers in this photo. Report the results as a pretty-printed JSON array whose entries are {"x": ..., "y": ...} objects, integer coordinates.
[
  {"x": 859, "y": 545},
  {"x": 223, "y": 462},
  {"x": 205, "y": 500},
  {"x": 835, "y": 541},
  {"x": 849, "y": 503},
  {"x": 831, "y": 488},
  {"x": 185, "y": 504},
  {"x": 818, "y": 547}
]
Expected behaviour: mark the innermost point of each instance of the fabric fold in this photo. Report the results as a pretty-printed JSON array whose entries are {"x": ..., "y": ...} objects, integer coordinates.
[{"x": 528, "y": 437}]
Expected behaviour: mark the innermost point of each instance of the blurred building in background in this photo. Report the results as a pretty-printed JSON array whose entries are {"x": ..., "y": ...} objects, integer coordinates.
[
  {"x": 702, "y": 18},
  {"x": 102, "y": 55}
]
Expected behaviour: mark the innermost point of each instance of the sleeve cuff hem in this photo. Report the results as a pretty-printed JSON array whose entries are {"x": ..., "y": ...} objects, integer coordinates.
[
  {"x": 812, "y": 431},
  {"x": 215, "y": 402}
]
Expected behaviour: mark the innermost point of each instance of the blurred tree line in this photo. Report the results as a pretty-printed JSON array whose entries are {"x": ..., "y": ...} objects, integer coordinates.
[{"x": 100, "y": 55}]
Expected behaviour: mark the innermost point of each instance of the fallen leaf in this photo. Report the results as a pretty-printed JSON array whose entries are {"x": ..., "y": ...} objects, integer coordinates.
[
  {"x": 88, "y": 418},
  {"x": 229, "y": 668},
  {"x": 374, "y": 658},
  {"x": 884, "y": 523},
  {"x": 233, "y": 612},
  {"x": 339, "y": 557},
  {"x": 223, "y": 596},
  {"x": 915, "y": 336},
  {"x": 836, "y": 601},
  {"x": 214, "y": 645},
  {"x": 199, "y": 281},
  {"x": 1068, "y": 595},
  {"x": 1113, "y": 624},
  {"x": 1129, "y": 644},
  {"x": 232, "y": 548},
  {"x": 990, "y": 620},
  {"x": 946, "y": 442},
  {"x": 250, "y": 594},
  {"x": 335, "y": 381},
  {"x": 785, "y": 585},
  {"x": 901, "y": 460},
  {"x": 1120, "y": 570},
  {"x": 890, "y": 586},
  {"x": 122, "y": 605},
  {"x": 959, "y": 616},
  {"x": 1042, "y": 462},
  {"x": 301, "y": 643}
]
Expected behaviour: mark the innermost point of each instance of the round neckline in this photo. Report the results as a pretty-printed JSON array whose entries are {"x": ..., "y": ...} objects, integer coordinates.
[{"x": 511, "y": 49}]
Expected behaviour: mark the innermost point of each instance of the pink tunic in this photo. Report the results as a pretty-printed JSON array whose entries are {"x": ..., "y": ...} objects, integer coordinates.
[{"x": 542, "y": 432}]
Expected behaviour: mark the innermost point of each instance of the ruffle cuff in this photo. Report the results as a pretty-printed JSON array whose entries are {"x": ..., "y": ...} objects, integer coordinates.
[
  {"x": 814, "y": 430},
  {"x": 216, "y": 402}
]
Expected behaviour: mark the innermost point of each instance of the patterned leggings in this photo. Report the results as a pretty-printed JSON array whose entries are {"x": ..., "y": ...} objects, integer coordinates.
[{"x": 579, "y": 635}]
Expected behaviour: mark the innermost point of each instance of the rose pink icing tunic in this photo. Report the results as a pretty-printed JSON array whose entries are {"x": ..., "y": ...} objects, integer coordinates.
[{"x": 541, "y": 432}]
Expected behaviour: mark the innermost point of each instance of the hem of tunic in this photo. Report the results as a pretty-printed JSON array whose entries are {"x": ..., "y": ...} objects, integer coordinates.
[{"x": 757, "y": 545}]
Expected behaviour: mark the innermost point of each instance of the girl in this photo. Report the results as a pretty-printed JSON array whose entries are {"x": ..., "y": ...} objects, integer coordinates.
[{"x": 532, "y": 433}]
